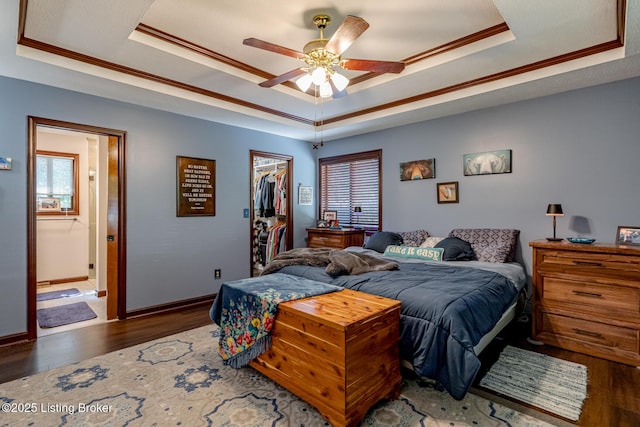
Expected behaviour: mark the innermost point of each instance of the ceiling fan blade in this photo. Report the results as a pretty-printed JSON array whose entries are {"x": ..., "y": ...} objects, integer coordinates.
[
  {"x": 351, "y": 28},
  {"x": 283, "y": 78},
  {"x": 373, "y": 66},
  {"x": 261, "y": 44}
]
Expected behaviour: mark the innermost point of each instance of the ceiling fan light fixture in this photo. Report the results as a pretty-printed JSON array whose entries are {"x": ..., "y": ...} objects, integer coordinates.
[
  {"x": 318, "y": 76},
  {"x": 340, "y": 81},
  {"x": 325, "y": 90},
  {"x": 304, "y": 82}
]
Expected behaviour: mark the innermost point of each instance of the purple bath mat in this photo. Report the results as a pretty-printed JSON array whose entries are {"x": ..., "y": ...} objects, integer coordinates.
[
  {"x": 65, "y": 314},
  {"x": 46, "y": 296}
]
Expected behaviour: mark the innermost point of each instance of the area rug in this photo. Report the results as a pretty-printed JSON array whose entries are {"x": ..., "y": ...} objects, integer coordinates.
[
  {"x": 180, "y": 380},
  {"x": 46, "y": 296},
  {"x": 65, "y": 314},
  {"x": 555, "y": 385}
]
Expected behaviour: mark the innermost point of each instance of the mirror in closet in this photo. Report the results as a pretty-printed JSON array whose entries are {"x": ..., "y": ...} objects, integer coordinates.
[{"x": 271, "y": 209}]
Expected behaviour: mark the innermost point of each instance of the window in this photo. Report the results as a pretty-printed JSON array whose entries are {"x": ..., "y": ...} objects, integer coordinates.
[
  {"x": 57, "y": 183},
  {"x": 349, "y": 181}
]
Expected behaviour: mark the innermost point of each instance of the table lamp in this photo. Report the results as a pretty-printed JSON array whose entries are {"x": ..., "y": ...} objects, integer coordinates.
[
  {"x": 554, "y": 210},
  {"x": 357, "y": 211}
]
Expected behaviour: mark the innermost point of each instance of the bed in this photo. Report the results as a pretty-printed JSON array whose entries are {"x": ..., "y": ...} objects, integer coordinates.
[{"x": 450, "y": 309}]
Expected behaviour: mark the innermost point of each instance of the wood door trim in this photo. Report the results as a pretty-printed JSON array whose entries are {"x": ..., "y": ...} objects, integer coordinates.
[{"x": 33, "y": 123}]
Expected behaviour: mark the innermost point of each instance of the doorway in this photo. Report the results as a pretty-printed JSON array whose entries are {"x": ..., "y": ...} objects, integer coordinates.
[
  {"x": 61, "y": 211},
  {"x": 271, "y": 207}
]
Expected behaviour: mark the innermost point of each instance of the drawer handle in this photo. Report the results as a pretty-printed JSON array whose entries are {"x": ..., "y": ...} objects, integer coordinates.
[
  {"x": 587, "y": 294},
  {"x": 589, "y": 263},
  {"x": 587, "y": 333}
]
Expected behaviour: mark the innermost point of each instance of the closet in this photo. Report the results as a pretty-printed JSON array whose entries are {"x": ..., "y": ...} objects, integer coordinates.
[{"x": 271, "y": 207}]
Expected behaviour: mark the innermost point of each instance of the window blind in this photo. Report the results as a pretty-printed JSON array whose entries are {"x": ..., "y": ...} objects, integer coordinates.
[{"x": 349, "y": 181}]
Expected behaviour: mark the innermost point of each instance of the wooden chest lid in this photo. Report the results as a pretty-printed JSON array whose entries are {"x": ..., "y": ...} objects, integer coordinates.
[{"x": 341, "y": 308}]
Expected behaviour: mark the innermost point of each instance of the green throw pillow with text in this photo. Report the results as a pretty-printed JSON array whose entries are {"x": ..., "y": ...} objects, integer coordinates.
[{"x": 428, "y": 254}]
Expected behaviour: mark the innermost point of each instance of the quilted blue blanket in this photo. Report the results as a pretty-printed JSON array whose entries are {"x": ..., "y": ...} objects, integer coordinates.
[
  {"x": 446, "y": 310},
  {"x": 246, "y": 309}
]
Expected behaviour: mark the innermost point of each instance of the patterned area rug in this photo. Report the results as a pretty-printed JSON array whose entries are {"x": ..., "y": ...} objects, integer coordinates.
[
  {"x": 555, "y": 385},
  {"x": 180, "y": 380}
]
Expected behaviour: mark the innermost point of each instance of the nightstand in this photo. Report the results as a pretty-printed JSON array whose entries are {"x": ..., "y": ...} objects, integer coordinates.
[
  {"x": 586, "y": 298},
  {"x": 334, "y": 238}
]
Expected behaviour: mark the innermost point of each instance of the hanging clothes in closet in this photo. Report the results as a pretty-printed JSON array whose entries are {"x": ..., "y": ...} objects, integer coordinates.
[
  {"x": 270, "y": 194},
  {"x": 276, "y": 242}
]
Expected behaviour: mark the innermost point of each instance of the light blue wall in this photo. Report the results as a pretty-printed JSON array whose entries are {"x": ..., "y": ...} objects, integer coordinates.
[
  {"x": 168, "y": 258},
  {"x": 580, "y": 149}
]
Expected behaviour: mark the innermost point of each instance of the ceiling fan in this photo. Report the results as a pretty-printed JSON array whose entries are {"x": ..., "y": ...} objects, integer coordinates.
[{"x": 322, "y": 56}]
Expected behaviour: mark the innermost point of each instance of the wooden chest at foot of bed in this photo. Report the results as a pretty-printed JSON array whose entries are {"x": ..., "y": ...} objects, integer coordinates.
[{"x": 337, "y": 351}]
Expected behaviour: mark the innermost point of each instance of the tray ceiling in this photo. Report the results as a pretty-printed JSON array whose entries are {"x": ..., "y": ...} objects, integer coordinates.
[{"x": 187, "y": 57}]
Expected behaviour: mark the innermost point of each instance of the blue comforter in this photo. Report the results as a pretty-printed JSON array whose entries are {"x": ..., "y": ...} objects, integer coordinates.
[{"x": 446, "y": 309}]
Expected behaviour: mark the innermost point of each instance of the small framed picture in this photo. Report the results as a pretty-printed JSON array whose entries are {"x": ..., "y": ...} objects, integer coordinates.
[
  {"x": 447, "y": 192},
  {"x": 5, "y": 163},
  {"x": 628, "y": 235},
  {"x": 330, "y": 215},
  {"x": 321, "y": 223},
  {"x": 49, "y": 204},
  {"x": 305, "y": 195},
  {"x": 334, "y": 223}
]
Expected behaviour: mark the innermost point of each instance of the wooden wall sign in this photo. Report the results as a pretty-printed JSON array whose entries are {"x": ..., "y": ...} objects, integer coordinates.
[{"x": 196, "y": 186}]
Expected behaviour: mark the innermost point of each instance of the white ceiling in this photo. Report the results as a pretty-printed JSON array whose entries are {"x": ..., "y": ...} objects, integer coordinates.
[{"x": 187, "y": 56}]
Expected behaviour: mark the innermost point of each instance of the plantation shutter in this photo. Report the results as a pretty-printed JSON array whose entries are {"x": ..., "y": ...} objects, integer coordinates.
[{"x": 349, "y": 181}]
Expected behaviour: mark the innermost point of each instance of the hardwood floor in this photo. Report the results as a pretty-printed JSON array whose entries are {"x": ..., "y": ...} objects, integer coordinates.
[
  {"x": 613, "y": 388},
  {"x": 22, "y": 359}
]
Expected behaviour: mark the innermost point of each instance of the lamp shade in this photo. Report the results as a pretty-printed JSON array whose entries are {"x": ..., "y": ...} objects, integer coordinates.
[
  {"x": 304, "y": 82},
  {"x": 554, "y": 210},
  {"x": 357, "y": 209}
]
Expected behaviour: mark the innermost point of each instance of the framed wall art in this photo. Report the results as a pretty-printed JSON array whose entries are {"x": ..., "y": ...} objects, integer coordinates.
[
  {"x": 195, "y": 187},
  {"x": 49, "y": 204},
  {"x": 418, "y": 169},
  {"x": 305, "y": 195},
  {"x": 628, "y": 235},
  {"x": 5, "y": 163},
  {"x": 448, "y": 192},
  {"x": 487, "y": 163},
  {"x": 330, "y": 216}
]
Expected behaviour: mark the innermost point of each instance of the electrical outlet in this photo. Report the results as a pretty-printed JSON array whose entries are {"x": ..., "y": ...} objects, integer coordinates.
[{"x": 217, "y": 273}]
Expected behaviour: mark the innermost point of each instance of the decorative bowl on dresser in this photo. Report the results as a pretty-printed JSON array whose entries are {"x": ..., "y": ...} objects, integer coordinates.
[
  {"x": 586, "y": 298},
  {"x": 334, "y": 238}
]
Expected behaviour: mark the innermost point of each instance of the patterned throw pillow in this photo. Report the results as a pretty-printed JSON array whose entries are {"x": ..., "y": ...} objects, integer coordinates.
[
  {"x": 413, "y": 238},
  {"x": 431, "y": 242},
  {"x": 490, "y": 244}
]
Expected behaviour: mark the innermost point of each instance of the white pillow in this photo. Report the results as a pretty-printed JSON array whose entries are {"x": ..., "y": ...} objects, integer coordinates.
[{"x": 431, "y": 242}]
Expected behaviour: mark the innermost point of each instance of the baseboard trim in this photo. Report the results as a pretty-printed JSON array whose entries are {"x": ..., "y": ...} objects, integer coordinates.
[
  {"x": 204, "y": 301},
  {"x": 15, "y": 338},
  {"x": 172, "y": 306},
  {"x": 102, "y": 294},
  {"x": 63, "y": 280}
]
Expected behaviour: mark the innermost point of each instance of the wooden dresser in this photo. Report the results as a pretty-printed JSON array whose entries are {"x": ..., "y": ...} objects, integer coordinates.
[
  {"x": 334, "y": 238},
  {"x": 586, "y": 298},
  {"x": 338, "y": 351}
]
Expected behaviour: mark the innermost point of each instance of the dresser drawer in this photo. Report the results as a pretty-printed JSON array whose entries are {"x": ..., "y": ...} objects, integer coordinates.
[
  {"x": 592, "y": 264},
  {"x": 587, "y": 334},
  {"x": 325, "y": 241},
  {"x": 597, "y": 298}
]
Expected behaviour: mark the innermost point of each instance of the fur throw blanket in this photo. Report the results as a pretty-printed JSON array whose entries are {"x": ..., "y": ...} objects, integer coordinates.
[{"x": 337, "y": 262}]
